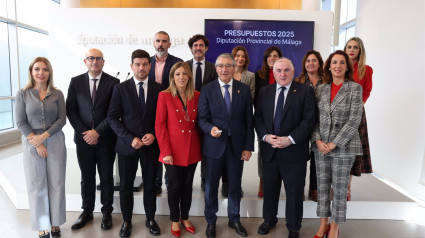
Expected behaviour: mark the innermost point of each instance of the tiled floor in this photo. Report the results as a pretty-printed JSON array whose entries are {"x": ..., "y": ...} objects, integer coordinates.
[{"x": 16, "y": 224}]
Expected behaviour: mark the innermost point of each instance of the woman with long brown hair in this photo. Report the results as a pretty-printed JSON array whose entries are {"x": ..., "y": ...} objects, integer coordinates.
[{"x": 312, "y": 75}]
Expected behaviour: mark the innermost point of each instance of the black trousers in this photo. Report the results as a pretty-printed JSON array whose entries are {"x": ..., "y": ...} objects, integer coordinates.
[
  {"x": 102, "y": 155},
  {"x": 313, "y": 176},
  {"x": 180, "y": 190},
  {"x": 293, "y": 176},
  {"x": 128, "y": 165}
]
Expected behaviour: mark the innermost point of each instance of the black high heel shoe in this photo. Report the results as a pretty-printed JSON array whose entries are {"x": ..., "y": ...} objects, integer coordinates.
[{"x": 44, "y": 235}]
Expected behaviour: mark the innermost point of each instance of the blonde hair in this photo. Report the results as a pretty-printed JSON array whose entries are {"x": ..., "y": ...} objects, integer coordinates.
[
  {"x": 361, "y": 58},
  {"x": 31, "y": 82},
  {"x": 190, "y": 88}
]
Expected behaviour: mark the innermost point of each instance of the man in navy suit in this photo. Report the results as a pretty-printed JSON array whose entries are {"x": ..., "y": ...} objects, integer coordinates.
[
  {"x": 285, "y": 116},
  {"x": 203, "y": 72},
  {"x": 225, "y": 117},
  {"x": 87, "y": 106},
  {"x": 161, "y": 62},
  {"x": 132, "y": 117}
]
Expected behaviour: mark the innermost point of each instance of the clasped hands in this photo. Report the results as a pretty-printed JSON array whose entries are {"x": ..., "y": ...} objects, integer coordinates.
[
  {"x": 147, "y": 139},
  {"x": 37, "y": 142},
  {"x": 91, "y": 137},
  {"x": 325, "y": 148},
  {"x": 278, "y": 142}
]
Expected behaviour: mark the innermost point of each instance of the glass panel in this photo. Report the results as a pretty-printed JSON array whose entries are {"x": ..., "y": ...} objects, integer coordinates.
[
  {"x": 5, "y": 89},
  {"x": 35, "y": 13},
  {"x": 3, "y": 8},
  {"x": 351, "y": 32},
  {"x": 6, "y": 114},
  {"x": 341, "y": 42},
  {"x": 327, "y": 5},
  {"x": 31, "y": 44},
  {"x": 343, "y": 16},
  {"x": 352, "y": 9}
]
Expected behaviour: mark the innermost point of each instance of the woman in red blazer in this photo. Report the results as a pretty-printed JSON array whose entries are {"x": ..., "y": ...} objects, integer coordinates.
[{"x": 179, "y": 142}]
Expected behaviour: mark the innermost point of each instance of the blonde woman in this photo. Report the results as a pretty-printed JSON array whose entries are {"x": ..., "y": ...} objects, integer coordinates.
[
  {"x": 40, "y": 116},
  {"x": 362, "y": 74},
  {"x": 179, "y": 142}
]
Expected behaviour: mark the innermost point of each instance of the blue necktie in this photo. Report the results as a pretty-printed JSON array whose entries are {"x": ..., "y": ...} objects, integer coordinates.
[
  {"x": 227, "y": 101},
  {"x": 279, "y": 112},
  {"x": 142, "y": 97},
  {"x": 198, "y": 79}
]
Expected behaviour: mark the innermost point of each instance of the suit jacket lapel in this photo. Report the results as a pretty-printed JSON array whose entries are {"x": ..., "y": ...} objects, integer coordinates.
[
  {"x": 270, "y": 95},
  {"x": 101, "y": 86},
  {"x": 289, "y": 98},
  {"x": 86, "y": 89},
  {"x": 339, "y": 96},
  {"x": 190, "y": 63},
  {"x": 235, "y": 95},
  {"x": 218, "y": 94}
]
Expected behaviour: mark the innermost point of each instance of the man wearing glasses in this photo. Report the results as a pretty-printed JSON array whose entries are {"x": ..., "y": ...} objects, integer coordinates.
[
  {"x": 225, "y": 117},
  {"x": 87, "y": 107}
]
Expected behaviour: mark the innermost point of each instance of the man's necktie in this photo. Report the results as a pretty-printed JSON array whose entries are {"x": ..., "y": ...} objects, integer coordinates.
[
  {"x": 93, "y": 94},
  {"x": 279, "y": 112},
  {"x": 142, "y": 97},
  {"x": 198, "y": 79},
  {"x": 93, "y": 98},
  {"x": 227, "y": 100}
]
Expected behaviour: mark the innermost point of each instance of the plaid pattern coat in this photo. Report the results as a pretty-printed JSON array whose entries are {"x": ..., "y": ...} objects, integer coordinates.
[{"x": 339, "y": 121}]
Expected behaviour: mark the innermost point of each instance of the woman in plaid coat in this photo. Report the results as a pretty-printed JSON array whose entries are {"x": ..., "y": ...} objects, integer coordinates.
[{"x": 336, "y": 140}]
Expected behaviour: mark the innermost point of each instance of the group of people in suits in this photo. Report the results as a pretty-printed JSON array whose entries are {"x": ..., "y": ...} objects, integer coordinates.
[{"x": 177, "y": 113}]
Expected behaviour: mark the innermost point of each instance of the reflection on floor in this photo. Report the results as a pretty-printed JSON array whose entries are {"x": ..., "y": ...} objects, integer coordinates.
[{"x": 371, "y": 199}]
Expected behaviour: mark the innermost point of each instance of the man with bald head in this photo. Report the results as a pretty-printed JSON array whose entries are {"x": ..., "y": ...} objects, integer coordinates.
[
  {"x": 285, "y": 116},
  {"x": 87, "y": 106}
]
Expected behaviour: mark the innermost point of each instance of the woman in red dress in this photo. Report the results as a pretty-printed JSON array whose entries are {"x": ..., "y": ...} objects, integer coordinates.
[{"x": 363, "y": 76}]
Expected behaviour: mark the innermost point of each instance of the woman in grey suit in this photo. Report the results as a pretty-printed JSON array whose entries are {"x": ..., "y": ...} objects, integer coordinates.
[
  {"x": 40, "y": 115},
  {"x": 336, "y": 140},
  {"x": 240, "y": 54}
]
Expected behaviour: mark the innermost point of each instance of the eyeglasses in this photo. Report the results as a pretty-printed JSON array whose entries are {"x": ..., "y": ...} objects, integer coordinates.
[
  {"x": 220, "y": 66},
  {"x": 92, "y": 58}
]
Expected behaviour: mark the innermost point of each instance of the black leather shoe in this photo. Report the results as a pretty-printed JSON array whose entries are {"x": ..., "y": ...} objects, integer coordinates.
[
  {"x": 56, "y": 232},
  {"x": 203, "y": 184},
  {"x": 158, "y": 190},
  {"x": 225, "y": 190},
  {"x": 106, "y": 222},
  {"x": 82, "y": 220},
  {"x": 238, "y": 228},
  {"x": 265, "y": 228},
  {"x": 126, "y": 229},
  {"x": 210, "y": 232},
  {"x": 153, "y": 227},
  {"x": 294, "y": 234}
]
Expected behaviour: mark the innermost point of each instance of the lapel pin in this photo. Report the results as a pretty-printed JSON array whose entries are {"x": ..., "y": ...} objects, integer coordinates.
[
  {"x": 239, "y": 91},
  {"x": 295, "y": 90}
]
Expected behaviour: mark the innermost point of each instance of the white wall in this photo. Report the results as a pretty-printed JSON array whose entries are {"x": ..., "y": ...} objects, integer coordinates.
[
  {"x": 67, "y": 54},
  {"x": 394, "y": 36}
]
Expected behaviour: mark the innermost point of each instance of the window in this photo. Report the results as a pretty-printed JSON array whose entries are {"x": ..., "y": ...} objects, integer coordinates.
[
  {"x": 5, "y": 89},
  {"x": 31, "y": 44},
  {"x": 347, "y": 27},
  {"x": 23, "y": 36}
]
